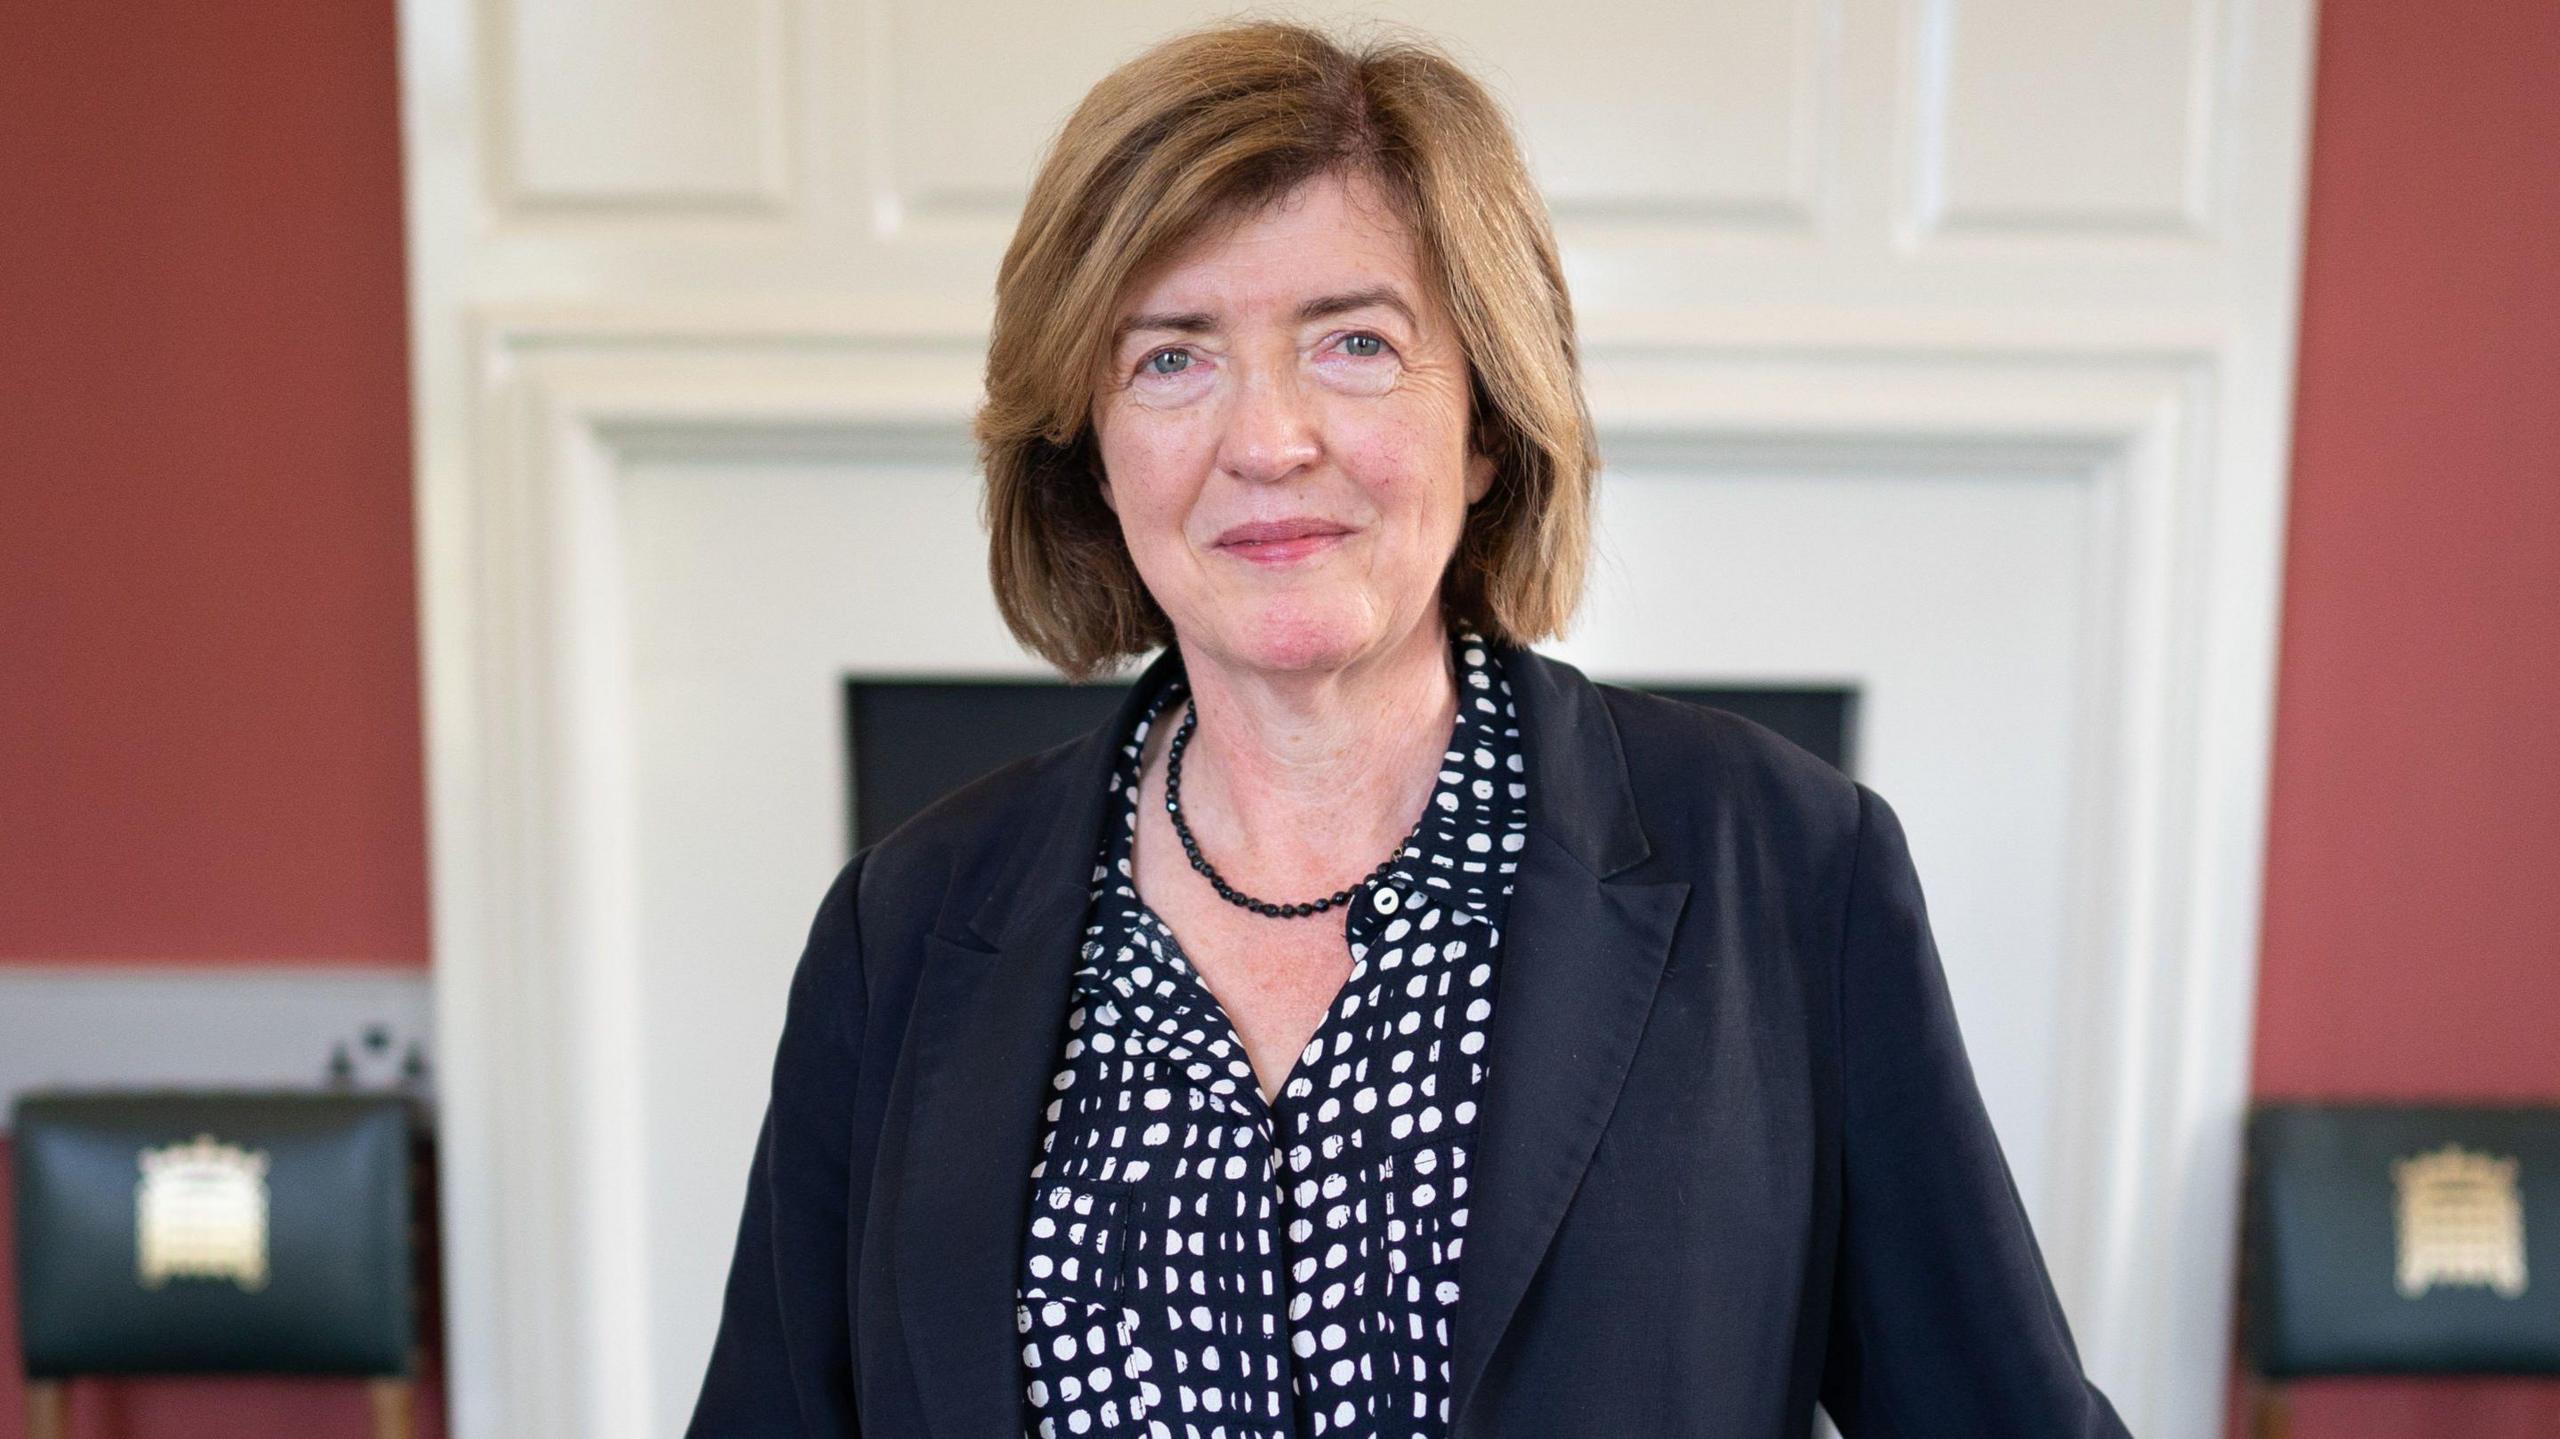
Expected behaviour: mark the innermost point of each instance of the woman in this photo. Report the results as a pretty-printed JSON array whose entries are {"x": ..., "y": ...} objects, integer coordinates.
[{"x": 1377, "y": 1028}]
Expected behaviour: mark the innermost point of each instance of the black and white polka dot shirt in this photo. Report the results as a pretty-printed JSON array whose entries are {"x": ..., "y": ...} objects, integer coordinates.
[{"x": 1203, "y": 1265}]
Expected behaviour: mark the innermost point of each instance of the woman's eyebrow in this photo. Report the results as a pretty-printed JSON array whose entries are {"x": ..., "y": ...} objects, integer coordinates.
[
  {"x": 1379, "y": 296},
  {"x": 1201, "y": 322}
]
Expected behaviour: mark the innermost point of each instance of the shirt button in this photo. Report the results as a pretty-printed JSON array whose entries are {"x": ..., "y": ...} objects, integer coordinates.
[{"x": 1386, "y": 901}]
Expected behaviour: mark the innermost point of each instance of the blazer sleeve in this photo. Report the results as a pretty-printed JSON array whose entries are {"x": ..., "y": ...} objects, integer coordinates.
[
  {"x": 782, "y": 1364},
  {"x": 1943, "y": 1321}
]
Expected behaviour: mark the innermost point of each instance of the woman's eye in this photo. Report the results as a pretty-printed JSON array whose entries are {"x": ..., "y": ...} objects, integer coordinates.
[
  {"x": 1149, "y": 365},
  {"x": 1352, "y": 344}
]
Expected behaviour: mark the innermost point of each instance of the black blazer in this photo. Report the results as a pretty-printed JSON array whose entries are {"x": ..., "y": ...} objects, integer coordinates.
[{"x": 1730, "y": 1159}]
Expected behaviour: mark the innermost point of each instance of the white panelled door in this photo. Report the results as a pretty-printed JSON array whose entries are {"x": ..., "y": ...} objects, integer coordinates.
[{"x": 1938, "y": 351}]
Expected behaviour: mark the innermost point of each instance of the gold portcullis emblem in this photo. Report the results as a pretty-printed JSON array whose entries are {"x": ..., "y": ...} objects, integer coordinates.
[
  {"x": 201, "y": 1213},
  {"x": 2461, "y": 1222}
]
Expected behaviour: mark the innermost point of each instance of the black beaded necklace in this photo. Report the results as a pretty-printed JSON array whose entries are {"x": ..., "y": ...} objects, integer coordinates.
[{"x": 1228, "y": 892}]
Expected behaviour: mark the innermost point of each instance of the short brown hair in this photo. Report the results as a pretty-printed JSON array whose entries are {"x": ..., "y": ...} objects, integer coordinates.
[{"x": 1202, "y": 128}]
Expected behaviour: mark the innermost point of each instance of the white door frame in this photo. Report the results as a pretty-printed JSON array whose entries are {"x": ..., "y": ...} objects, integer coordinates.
[
  {"x": 2000, "y": 234},
  {"x": 534, "y": 831}
]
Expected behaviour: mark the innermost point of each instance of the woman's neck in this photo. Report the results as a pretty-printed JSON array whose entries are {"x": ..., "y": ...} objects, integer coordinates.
[{"x": 1304, "y": 780}]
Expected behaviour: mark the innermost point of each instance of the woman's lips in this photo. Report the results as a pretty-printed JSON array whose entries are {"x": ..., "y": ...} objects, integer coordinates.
[
  {"x": 1282, "y": 551},
  {"x": 1278, "y": 544}
]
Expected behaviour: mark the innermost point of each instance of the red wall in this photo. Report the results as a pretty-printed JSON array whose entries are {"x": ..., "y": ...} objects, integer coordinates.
[
  {"x": 2412, "y": 943},
  {"x": 209, "y": 735}
]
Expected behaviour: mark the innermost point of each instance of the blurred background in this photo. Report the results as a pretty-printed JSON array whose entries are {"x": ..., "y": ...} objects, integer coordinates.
[{"x": 486, "y": 524}]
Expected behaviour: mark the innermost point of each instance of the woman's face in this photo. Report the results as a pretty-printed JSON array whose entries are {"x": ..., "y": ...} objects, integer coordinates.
[{"x": 1284, "y": 428}]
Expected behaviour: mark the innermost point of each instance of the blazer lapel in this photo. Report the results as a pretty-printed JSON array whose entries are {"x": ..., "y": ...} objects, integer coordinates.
[
  {"x": 990, "y": 1014},
  {"x": 1582, "y": 956}
]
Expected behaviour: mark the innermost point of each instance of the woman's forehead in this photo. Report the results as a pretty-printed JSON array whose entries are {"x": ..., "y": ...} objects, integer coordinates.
[
  {"x": 1311, "y": 260},
  {"x": 1324, "y": 221}
]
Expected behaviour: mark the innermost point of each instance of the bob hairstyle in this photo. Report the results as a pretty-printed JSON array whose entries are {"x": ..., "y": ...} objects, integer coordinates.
[{"x": 1201, "y": 130}]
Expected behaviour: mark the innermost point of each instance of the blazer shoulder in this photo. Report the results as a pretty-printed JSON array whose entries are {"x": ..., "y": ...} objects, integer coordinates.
[
  {"x": 955, "y": 840},
  {"x": 1729, "y": 773}
]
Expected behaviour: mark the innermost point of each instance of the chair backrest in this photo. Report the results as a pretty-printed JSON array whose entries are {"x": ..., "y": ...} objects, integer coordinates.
[
  {"x": 2407, "y": 1239},
  {"x": 178, "y": 1232}
]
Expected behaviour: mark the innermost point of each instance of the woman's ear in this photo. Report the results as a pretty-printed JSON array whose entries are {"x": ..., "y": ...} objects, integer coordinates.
[
  {"x": 1484, "y": 442},
  {"x": 1480, "y": 471},
  {"x": 1088, "y": 452},
  {"x": 1089, "y": 447}
]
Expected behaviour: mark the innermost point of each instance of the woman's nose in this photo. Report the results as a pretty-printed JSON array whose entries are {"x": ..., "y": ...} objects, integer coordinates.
[{"x": 1270, "y": 427}]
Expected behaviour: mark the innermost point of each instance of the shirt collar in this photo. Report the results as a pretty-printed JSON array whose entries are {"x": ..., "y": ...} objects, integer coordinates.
[{"x": 1468, "y": 845}]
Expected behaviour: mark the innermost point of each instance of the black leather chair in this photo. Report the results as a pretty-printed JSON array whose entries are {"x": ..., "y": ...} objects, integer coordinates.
[
  {"x": 2399, "y": 1239},
  {"x": 217, "y": 1233}
]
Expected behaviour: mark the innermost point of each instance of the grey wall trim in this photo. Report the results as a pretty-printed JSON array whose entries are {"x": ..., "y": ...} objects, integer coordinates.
[{"x": 111, "y": 1026}]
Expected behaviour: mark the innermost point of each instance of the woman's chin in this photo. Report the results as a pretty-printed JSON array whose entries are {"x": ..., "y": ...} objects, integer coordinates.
[{"x": 1304, "y": 633}]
